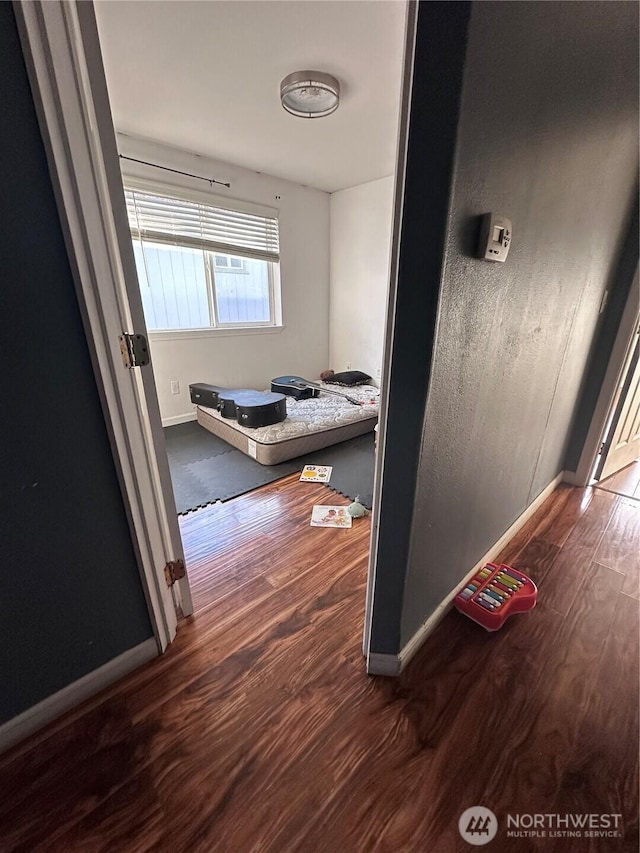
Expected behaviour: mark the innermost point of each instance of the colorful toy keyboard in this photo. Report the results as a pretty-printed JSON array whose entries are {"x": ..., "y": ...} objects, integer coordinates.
[{"x": 494, "y": 594}]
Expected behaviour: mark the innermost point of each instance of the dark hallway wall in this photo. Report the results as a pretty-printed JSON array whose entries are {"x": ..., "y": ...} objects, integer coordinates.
[
  {"x": 72, "y": 597},
  {"x": 436, "y": 89},
  {"x": 548, "y": 136},
  {"x": 608, "y": 324}
]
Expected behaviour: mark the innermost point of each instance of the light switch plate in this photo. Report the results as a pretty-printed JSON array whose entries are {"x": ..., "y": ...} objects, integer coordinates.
[{"x": 495, "y": 238}]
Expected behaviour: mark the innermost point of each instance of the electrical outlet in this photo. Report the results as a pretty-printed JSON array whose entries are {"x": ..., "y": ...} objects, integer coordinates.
[
  {"x": 175, "y": 386},
  {"x": 348, "y": 365}
]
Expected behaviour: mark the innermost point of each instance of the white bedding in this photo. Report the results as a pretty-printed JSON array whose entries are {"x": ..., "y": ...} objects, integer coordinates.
[{"x": 314, "y": 415}]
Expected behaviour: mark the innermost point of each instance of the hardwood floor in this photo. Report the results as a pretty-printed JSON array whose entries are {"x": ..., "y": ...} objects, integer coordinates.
[
  {"x": 260, "y": 731},
  {"x": 625, "y": 482}
]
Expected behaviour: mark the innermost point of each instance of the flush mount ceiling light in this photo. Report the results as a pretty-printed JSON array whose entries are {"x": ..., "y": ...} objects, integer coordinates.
[{"x": 310, "y": 94}]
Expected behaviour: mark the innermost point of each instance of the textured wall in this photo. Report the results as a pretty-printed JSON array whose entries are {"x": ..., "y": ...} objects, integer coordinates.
[
  {"x": 618, "y": 291},
  {"x": 435, "y": 92},
  {"x": 547, "y": 136},
  {"x": 71, "y": 595}
]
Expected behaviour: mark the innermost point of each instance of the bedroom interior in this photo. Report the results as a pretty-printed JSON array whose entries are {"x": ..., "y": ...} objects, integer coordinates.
[
  {"x": 264, "y": 699},
  {"x": 311, "y": 205}
]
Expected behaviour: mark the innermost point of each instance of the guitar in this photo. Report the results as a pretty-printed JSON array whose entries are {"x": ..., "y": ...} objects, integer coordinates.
[{"x": 302, "y": 389}]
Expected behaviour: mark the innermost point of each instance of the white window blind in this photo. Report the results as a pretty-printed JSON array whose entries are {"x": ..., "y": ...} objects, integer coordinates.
[{"x": 175, "y": 221}]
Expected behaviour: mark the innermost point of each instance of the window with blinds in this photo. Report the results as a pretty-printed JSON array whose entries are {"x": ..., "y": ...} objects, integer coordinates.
[{"x": 203, "y": 266}]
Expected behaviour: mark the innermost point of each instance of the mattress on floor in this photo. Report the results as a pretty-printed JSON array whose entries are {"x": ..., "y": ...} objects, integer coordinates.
[{"x": 310, "y": 425}]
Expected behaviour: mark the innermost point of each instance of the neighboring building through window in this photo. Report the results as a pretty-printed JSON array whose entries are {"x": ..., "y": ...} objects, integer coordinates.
[
  {"x": 202, "y": 266},
  {"x": 227, "y": 262}
]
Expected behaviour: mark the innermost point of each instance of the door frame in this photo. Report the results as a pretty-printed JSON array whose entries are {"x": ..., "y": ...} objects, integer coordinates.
[
  {"x": 609, "y": 462},
  {"x": 411, "y": 23},
  {"x": 64, "y": 62},
  {"x": 602, "y": 412}
]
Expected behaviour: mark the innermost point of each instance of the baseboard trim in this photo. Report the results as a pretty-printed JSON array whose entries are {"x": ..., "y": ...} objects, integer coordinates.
[
  {"x": 572, "y": 478},
  {"x": 178, "y": 419},
  {"x": 44, "y": 712},
  {"x": 379, "y": 664},
  {"x": 393, "y": 665}
]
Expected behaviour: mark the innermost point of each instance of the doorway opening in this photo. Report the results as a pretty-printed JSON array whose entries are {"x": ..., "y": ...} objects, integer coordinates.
[
  {"x": 286, "y": 271},
  {"x": 617, "y": 465}
]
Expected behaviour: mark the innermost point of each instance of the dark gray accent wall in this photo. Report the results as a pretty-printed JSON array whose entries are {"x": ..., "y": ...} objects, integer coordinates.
[
  {"x": 437, "y": 84},
  {"x": 548, "y": 136},
  {"x": 617, "y": 292},
  {"x": 71, "y": 597}
]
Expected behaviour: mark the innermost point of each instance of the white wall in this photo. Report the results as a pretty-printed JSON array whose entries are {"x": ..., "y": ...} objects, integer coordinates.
[
  {"x": 248, "y": 359},
  {"x": 359, "y": 281}
]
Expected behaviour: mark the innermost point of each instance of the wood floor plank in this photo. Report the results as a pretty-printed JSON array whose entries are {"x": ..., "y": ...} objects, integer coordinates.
[
  {"x": 572, "y": 565},
  {"x": 536, "y": 559},
  {"x": 271, "y": 712},
  {"x": 631, "y": 585},
  {"x": 601, "y": 774},
  {"x": 432, "y": 784},
  {"x": 102, "y": 748},
  {"x": 532, "y": 773},
  {"x": 620, "y": 545},
  {"x": 559, "y": 525},
  {"x": 259, "y": 730},
  {"x": 414, "y": 719},
  {"x": 625, "y": 482},
  {"x": 590, "y": 527},
  {"x": 130, "y": 819},
  {"x": 235, "y": 641},
  {"x": 553, "y": 521}
]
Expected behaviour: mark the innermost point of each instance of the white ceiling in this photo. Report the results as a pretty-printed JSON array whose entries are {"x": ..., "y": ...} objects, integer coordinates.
[{"x": 205, "y": 76}]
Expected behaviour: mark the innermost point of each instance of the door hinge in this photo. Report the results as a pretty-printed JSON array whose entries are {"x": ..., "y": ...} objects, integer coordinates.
[
  {"x": 134, "y": 349},
  {"x": 174, "y": 571}
]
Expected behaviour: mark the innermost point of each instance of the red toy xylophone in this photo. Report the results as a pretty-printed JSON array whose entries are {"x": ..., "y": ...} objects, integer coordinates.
[{"x": 494, "y": 594}]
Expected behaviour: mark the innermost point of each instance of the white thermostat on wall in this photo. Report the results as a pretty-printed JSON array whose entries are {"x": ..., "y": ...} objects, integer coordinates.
[{"x": 495, "y": 237}]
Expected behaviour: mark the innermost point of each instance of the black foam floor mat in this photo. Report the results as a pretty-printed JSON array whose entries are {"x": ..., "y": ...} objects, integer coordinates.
[{"x": 204, "y": 468}]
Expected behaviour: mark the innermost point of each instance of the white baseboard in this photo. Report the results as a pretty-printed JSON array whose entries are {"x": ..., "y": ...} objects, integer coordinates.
[
  {"x": 379, "y": 664},
  {"x": 572, "y": 478},
  {"x": 385, "y": 664},
  {"x": 39, "y": 715},
  {"x": 178, "y": 419}
]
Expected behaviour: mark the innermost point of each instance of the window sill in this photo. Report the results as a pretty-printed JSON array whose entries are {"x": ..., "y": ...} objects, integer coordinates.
[{"x": 192, "y": 334}]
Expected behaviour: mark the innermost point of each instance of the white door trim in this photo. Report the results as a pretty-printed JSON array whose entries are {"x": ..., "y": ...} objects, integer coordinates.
[
  {"x": 57, "y": 45},
  {"x": 612, "y": 378},
  {"x": 107, "y": 159}
]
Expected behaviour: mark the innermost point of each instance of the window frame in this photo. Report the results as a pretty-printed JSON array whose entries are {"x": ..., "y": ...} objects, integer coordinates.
[{"x": 273, "y": 325}]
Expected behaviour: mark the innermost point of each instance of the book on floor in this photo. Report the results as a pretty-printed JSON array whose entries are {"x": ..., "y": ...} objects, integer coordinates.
[
  {"x": 330, "y": 516},
  {"x": 316, "y": 474}
]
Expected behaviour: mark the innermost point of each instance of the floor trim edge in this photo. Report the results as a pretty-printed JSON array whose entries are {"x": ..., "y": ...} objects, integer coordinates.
[
  {"x": 178, "y": 419},
  {"x": 379, "y": 664},
  {"x": 34, "y": 718}
]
